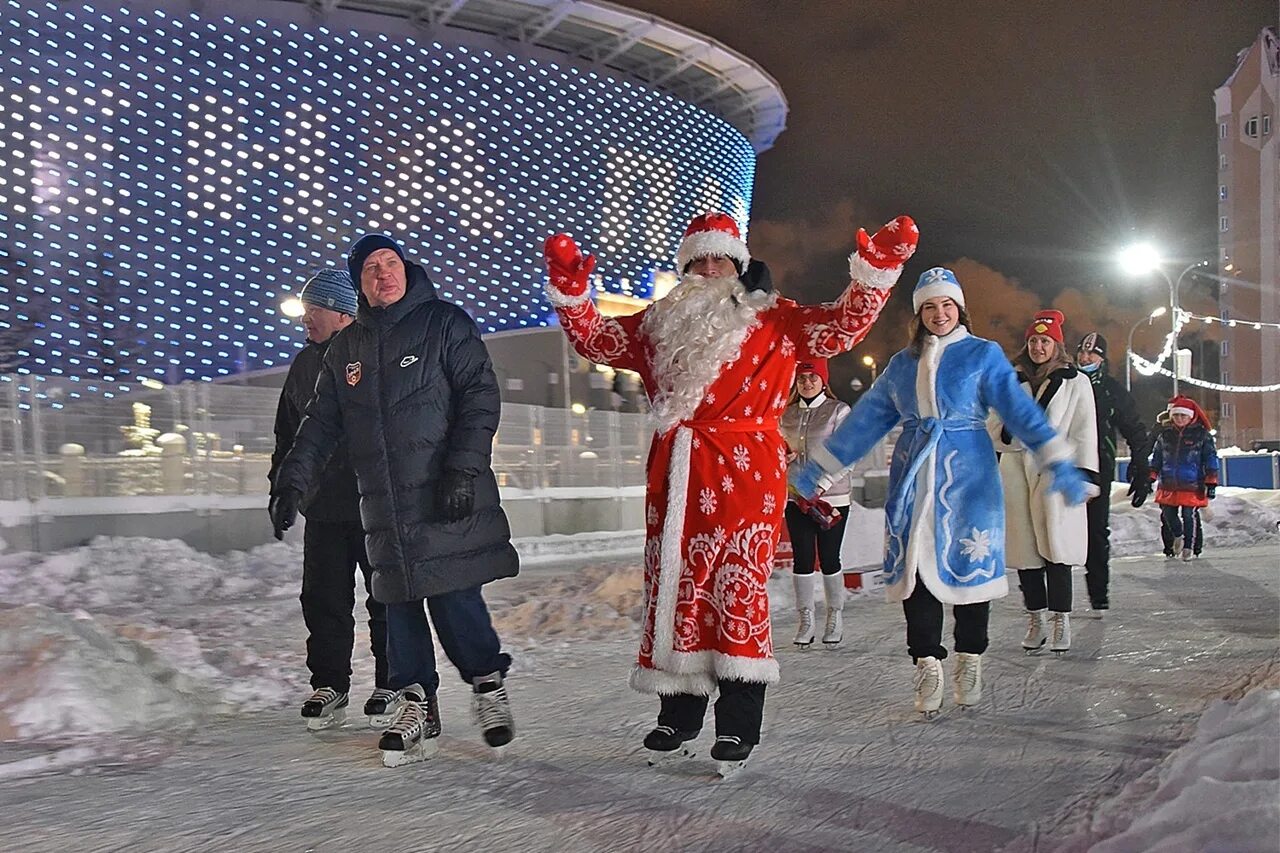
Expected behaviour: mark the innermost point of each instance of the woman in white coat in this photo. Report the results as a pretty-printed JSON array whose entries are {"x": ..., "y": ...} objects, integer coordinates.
[{"x": 1044, "y": 535}]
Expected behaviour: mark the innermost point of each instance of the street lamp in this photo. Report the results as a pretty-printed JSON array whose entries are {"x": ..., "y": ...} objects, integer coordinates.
[
  {"x": 1128, "y": 348},
  {"x": 1144, "y": 258},
  {"x": 871, "y": 363}
]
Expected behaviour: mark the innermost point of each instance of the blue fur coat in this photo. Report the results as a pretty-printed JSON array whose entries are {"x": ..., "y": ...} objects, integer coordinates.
[{"x": 945, "y": 510}]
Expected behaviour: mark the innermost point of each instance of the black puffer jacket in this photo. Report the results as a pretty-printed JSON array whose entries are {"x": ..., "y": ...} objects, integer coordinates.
[
  {"x": 1117, "y": 411},
  {"x": 411, "y": 389},
  {"x": 334, "y": 496}
]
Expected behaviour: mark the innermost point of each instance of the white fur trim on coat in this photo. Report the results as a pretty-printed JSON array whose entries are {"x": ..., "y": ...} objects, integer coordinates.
[
  {"x": 860, "y": 270},
  {"x": 707, "y": 243},
  {"x": 560, "y": 299},
  {"x": 670, "y": 562}
]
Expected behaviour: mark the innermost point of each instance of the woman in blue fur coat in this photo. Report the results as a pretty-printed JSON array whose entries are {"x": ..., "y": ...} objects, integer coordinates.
[{"x": 944, "y": 516}]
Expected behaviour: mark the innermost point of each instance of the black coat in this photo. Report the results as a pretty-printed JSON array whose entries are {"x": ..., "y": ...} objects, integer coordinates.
[
  {"x": 411, "y": 388},
  {"x": 334, "y": 496},
  {"x": 1117, "y": 411}
]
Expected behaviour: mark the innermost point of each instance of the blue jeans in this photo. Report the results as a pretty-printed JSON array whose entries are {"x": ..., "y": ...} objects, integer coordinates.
[{"x": 466, "y": 634}]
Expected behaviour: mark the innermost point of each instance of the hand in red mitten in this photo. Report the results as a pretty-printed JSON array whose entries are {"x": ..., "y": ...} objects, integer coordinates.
[
  {"x": 891, "y": 245},
  {"x": 568, "y": 269}
]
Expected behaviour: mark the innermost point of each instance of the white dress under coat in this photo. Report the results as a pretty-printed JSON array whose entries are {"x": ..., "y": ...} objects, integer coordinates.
[{"x": 1040, "y": 526}]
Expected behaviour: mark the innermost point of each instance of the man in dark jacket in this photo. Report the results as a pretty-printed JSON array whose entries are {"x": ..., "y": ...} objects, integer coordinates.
[
  {"x": 410, "y": 387},
  {"x": 1116, "y": 410},
  {"x": 333, "y": 541}
]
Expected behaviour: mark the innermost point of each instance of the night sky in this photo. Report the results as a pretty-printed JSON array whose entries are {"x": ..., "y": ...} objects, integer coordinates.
[{"x": 1029, "y": 138}]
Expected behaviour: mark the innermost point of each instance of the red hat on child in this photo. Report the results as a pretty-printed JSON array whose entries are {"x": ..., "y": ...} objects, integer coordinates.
[
  {"x": 817, "y": 366},
  {"x": 1181, "y": 405},
  {"x": 1047, "y": 323}
]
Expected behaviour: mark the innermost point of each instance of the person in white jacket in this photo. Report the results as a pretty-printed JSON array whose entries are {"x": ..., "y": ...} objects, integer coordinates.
[
  {"x": 1044, "y": 535},
  {"x": 815, "y": 528}
]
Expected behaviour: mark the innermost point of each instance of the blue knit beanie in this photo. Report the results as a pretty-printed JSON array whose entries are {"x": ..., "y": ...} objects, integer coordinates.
[
  {"x": 366, "y": 246},
  {"x": 330, "y": 289}
]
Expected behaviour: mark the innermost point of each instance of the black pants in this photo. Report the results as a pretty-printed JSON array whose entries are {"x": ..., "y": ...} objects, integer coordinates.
[
  {"x": 924, "y": 625},
  {"x": 331, "y": 550},
  {"x": 1046, "y": 588},
  {"x": 1097, "y": 566},
  {"x": 739, "y": 710},
  {"x": 808, "y": 537},
  {"x": 1181, "y": 521}
]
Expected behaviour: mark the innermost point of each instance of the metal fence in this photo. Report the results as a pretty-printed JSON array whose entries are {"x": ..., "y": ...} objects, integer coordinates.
[{"x": 205, "y": 438}]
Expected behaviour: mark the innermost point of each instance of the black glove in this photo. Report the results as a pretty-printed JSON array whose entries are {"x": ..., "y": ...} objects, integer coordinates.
[
  {"x": 457, "y": 494},
  {"x": 757, "y": 277},
  {"x": 283, "y": 509},
  {"x": 1211, "y": 492},
  {"x": 1139, "y": 491}
]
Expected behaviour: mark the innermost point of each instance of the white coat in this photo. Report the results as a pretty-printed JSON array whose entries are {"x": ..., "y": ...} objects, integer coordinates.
[{"x": 1039, "y": 525}]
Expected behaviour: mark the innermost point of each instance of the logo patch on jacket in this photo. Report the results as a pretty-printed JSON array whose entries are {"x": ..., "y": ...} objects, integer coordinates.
[
  {"x": 353, "y": 373},
  {"x": 408, "y": 360}
]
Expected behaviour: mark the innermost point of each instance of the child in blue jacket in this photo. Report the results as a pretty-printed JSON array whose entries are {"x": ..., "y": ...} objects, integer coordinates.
[{"x": 1185, "y": 462}]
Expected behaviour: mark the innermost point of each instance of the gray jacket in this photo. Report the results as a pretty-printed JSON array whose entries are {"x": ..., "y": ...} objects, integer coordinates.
[{"x": 808, "y": 425}]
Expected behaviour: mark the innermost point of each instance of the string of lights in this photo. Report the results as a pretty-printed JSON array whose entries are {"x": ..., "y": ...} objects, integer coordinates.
[
  {"x": 1231, "y": 322},
  {"x": 1148, "y": 368}
]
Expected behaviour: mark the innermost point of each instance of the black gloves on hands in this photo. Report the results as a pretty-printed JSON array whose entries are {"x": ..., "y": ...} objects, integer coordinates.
[
  {"x": 1211, "y": 492},
  {"x": 283, "y": 509},
  {"x": 757, "y": 277},
  {"x": 457, "y": 495},
  {"x": 1139, "y": 491}
]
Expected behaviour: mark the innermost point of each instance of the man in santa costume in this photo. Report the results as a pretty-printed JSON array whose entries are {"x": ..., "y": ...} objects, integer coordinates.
[{"x": 717, "y": 357}]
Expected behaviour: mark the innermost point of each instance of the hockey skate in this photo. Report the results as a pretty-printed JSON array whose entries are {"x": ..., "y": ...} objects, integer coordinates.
[
  {"x": 381, "y": 706},
  {"x": 928, "y": 686},
  {"x": 326, "y": 709},
  {"x": 730, "y": 754},
  {"x": 805, "y": 631},
  {"x": 968, "y": 676},
  {"x": 492, "y": 709},
  {"x": 1060, "y": 633},
  {"x": 669, "y": 746},
  {"x": 1034, "y": 641},
  {"x": 414, "y": 731}
]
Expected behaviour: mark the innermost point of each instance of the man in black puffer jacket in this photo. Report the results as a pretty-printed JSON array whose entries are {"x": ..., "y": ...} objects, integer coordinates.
[
  {"x": 410, "y": 387},
  {"x": 333, "y": 542}
]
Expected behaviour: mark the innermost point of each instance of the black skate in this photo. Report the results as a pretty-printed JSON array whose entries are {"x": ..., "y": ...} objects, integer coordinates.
[
  {"x": 382, "y": 706},
  {"x": 415, "y": 729},
  {"x": 666, "y": 745},
  {"x": 326, "y": 709},
  {"x": 492, "y": 709},
  {"x": 731, "y": 755}
]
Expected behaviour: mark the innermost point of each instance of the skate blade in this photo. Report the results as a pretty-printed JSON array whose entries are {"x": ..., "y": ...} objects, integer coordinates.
[
  {"x": 380, "y": 721},
  {"x": 804, "y": 647},
  {"x": 1035, "y": 650},
  {"x": 335, "y": 720},
  {"x": 929, "y": 715},
  {"x": 421, "y": 751},
  {"x": 666, "y": 759},
  {"x": 726, "y": 770},
  {"x": 831, "y": 644},
  {"x": 1059, "y": 652}
]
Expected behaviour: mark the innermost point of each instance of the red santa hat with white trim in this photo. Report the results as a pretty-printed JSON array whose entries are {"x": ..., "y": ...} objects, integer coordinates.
[
  {"x": 712, "y": 234},
  {"x": 1182, "y": 405}
]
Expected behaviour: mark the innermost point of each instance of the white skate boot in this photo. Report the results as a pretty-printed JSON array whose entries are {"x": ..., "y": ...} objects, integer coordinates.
[
  {"x": 1033, "y": 642},
  {"x": 414, "y": 732},
  {"x": 928, "y": 686},
  {"x": 1059, "y": 633},
  {"x": 381, "y": 706},
  {"x": 803, "y": 585},
  {"x": 968, "y": 675},
  {"x": 833, "y": 586},
  {"x": 492, "y": 709},
  {"x": 326, "y": 709}
]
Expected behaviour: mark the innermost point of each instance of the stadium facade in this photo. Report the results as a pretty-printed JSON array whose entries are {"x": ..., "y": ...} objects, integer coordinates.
[{"x": 171, "y": 172}]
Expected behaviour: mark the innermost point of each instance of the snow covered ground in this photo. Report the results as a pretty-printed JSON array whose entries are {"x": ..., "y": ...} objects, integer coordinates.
[{"x": 149, "y": 693}]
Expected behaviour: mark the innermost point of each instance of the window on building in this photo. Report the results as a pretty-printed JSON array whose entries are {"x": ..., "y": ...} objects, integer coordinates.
[
  {"x": 1222, "y": 130},
  {"x": 1224, "y": 224},
  {"x": 1251, "y": 127},
  {"x": 1225, "y": 348},
  {"x": 1225, "y": 377},
  {"x": 1222, "y": 192},
  {"x": 1228, "y": 409},
  {"x": 1222, "y": 161},
  {"x": 1266, "y": 125}
]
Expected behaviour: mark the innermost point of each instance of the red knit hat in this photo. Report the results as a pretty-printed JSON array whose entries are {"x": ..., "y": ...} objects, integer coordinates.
[
  {"x": 712, "y": 234},
  {"x": 1047, "y": 323},
  {"x": 817, "y": 366}
]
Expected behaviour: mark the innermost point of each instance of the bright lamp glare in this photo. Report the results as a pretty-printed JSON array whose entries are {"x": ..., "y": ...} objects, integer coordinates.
[
  {"x": 1139, "y": 258},
  {"x": 291, "y": 307},
  {"x": 1159, "y": 312}
]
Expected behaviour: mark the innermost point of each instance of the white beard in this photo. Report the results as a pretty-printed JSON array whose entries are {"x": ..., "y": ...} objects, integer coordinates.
[{"x": 695, "y": 330}]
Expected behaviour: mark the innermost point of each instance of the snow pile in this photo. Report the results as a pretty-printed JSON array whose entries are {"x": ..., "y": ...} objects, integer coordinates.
[
  {"x": 1220, "y": 791},
  {"x": 597, "y": 601},
  {"x": 1237, "y": 517},
  {"x": 62, "y": 674}
]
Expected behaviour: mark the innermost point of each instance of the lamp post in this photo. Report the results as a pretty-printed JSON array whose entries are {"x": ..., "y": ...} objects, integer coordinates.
[
  {"x": 1143, "y": 258},
  {"x": 871, "y": 363},
  {"x": 1128, "y": 348}
]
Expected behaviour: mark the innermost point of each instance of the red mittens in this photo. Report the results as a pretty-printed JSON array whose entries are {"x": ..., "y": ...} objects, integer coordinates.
[
  {"x": 891, "y": 245},
  {"x": 568, "y": 269}
]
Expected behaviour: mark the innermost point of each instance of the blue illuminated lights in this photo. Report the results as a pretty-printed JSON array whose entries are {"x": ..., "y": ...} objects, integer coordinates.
[{"x": 166, "y": 179}]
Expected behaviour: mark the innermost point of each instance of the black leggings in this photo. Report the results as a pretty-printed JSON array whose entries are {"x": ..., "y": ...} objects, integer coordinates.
[
  {"x": 808, "y": 538},
  {"x": 924, "y": 625}
]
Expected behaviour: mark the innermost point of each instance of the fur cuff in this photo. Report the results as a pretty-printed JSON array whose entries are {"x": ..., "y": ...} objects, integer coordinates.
[
  {"x": 560, "y": 299},
  {"x": 864, "y": 273},
  {"x": 646, "y": 680}
]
